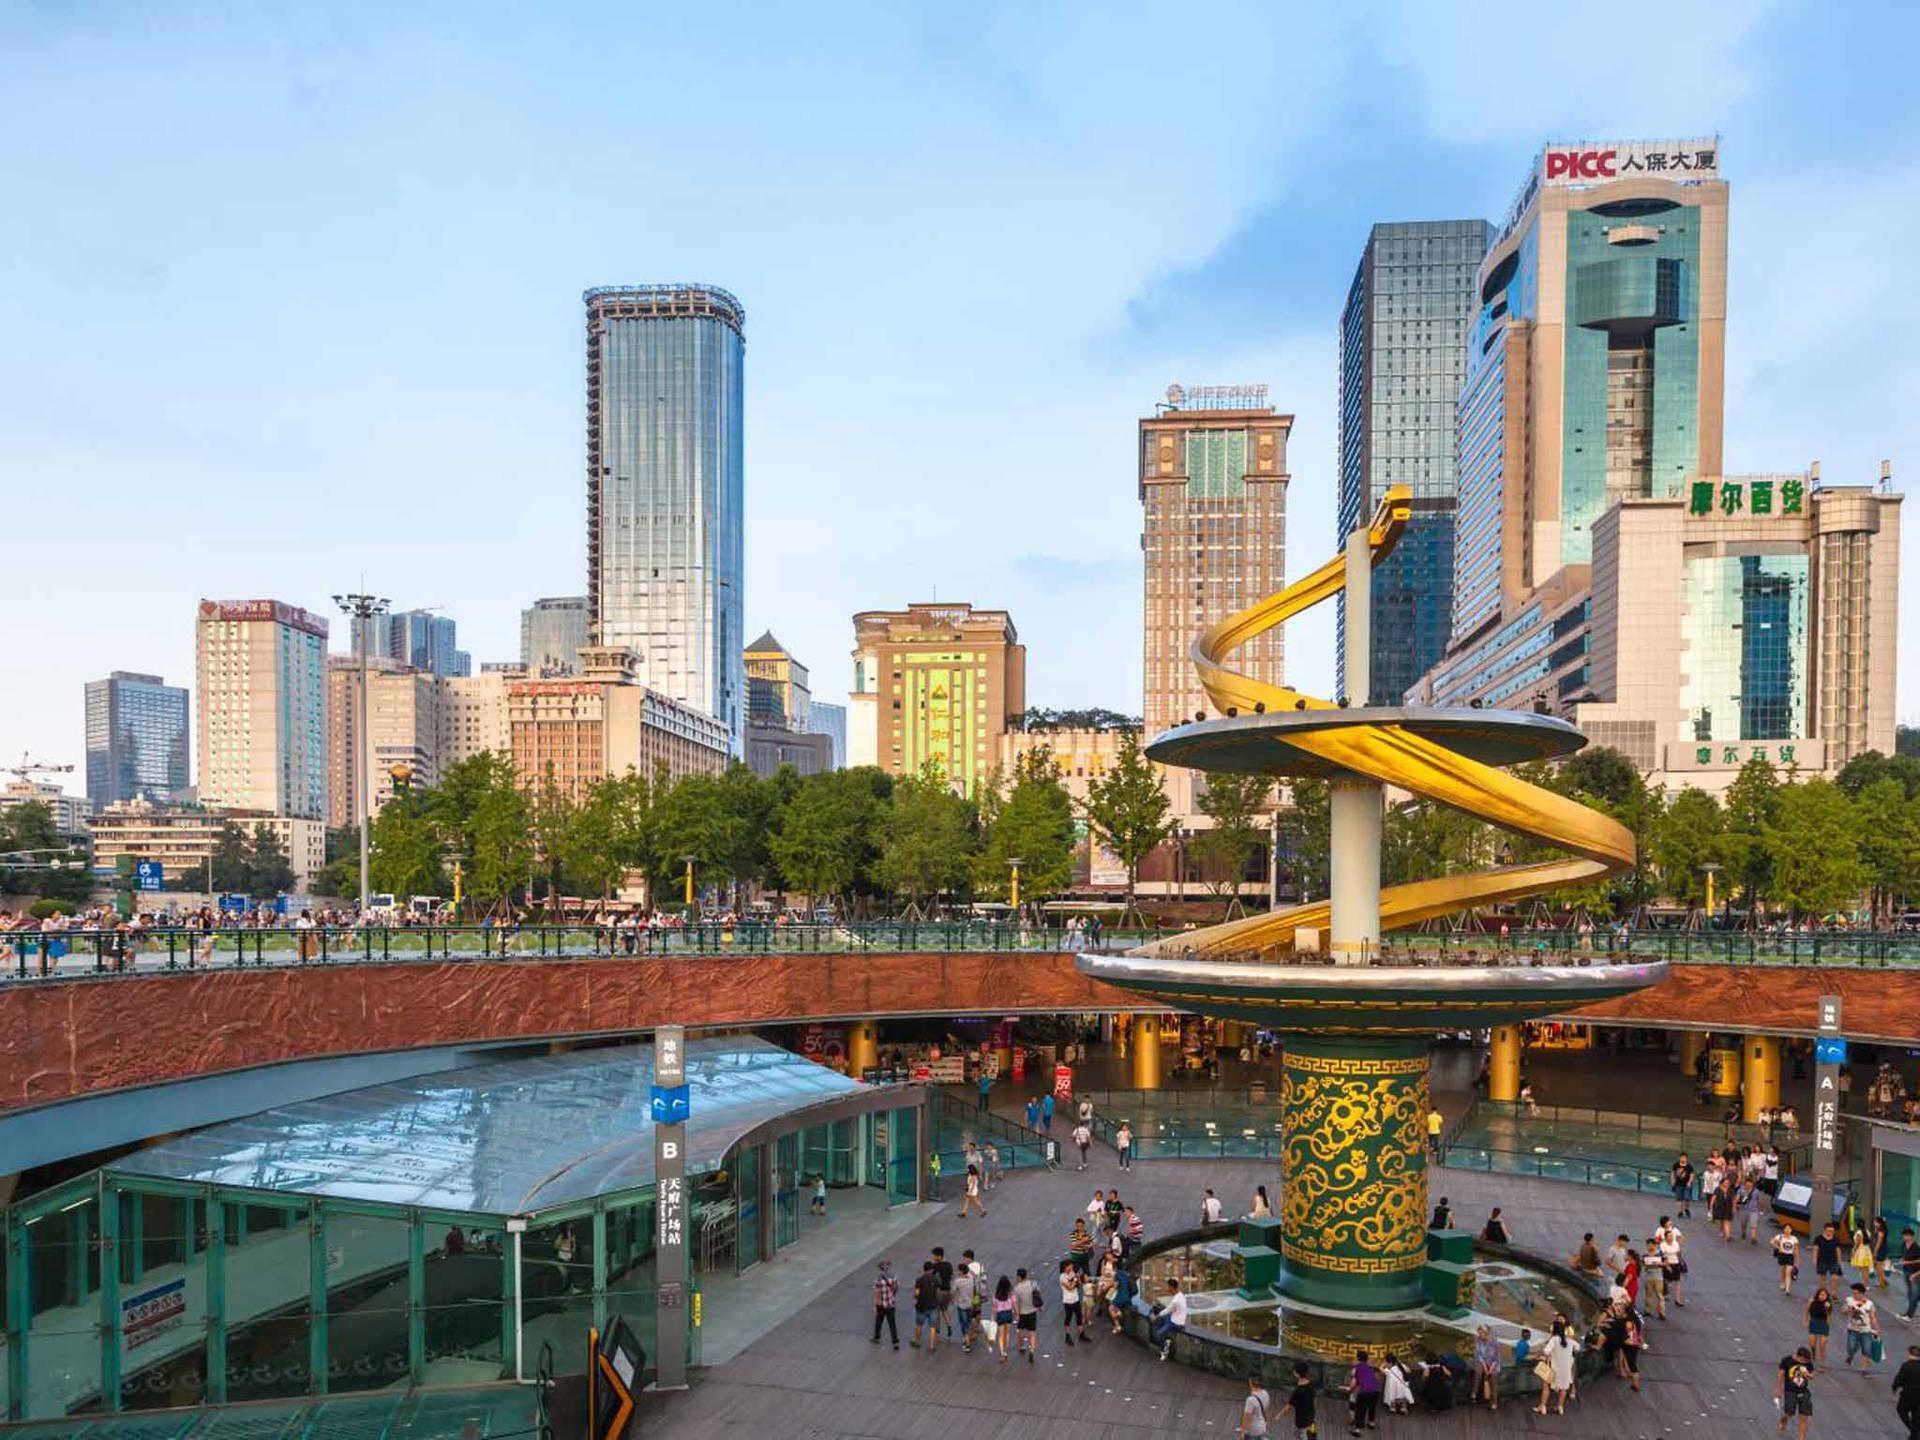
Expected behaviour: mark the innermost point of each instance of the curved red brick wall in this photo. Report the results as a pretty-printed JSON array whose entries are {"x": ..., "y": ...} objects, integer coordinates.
[{"x": 64, "y": 1038}]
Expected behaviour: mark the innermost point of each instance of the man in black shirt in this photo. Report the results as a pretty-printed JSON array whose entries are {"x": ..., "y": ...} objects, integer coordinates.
[
  {"x": 1681, "y": 1180},
  {"x": 1906, "y": 1392},
  {"x": 943, "y": 1276},
  {"x": 1910, "y": 1271},
  {"x": 1792, "y": 1390},
  {"x": 1826, "y": 1258},
  {"x": 1300, "y": 1402}
]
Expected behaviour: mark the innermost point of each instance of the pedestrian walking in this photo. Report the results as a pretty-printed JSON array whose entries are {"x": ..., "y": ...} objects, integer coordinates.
[
  {"x": 1026, "y": 1310},
  {"x": 1123, "y": 1143},
  {"x": 1083, "y": 1138},
  {"x": 1084, "y": 1111},
  {"x": 1301, "y": 1401},
  {"x": 1046, "y": 1114},
  {"x": 1436, "y": 1122},
  {"x": 971, "y": 1200},
  {"x": 992, "y": 1175},
  {"x": 1861, "y": 1257},
  {"x": 1396, "y": 1392},
  {"x": 1673, "y": 1260},
  {"x": 1747, "y": 1202},
  {"x": 986, "y": 1086},
  {"x": 1253, "y": 1410},
  {"x": 1653, "y": 1279},
  {"x": 1363, "y": 1395},
  {"x": 1826, "y": 1257},
  {"x": 1003, "y": 1316},
  {"x": 1879, "y": 1237},
  {"x": 1786, "y": 1254},
  {"x": 1906, "y": 1392},
  {"x": 1863, "y": 1328},
  {"x": 966, "y": 1302},
  {"x": 943, "y": 1278},
  {"x": 819, "y": 1206},
  {"x": 1819, "y": 1323},
  {"x": 1033, "y": 1113},
  {"x": 926, "y": 1307},
  {"x": 886, "y": 1297},
  {"x": 1793, "y": 1389},
  {"x": 1910, "y": 1271}
]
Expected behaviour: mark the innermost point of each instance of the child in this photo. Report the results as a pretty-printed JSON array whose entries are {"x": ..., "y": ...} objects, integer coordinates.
[{"x": 820, "y": 1195}]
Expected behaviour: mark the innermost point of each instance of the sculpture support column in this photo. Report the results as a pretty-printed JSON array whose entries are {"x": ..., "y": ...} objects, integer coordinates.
[
  {"x": 1760, "y": 1077},
  {"x": 1503, "y": 1064},
  {"x": 1146, "y": 1052},
  {"x": 1356, "y": 804},
  {"x": 1353, "y": 1171}
]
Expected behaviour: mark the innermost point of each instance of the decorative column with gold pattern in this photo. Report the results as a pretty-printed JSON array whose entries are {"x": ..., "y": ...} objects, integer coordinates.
[{"x": 1353, "y": 1171}]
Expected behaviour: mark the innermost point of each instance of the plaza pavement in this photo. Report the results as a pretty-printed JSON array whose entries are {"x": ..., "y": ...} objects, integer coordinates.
[{"x": 1708, "y": 1372}]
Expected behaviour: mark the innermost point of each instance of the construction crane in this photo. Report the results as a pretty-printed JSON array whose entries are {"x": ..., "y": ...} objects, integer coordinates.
[{"x": 29, "y": 767}]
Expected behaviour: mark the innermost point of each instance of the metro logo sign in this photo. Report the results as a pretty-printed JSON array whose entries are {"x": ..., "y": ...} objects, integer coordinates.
[{"x": 1581, "y": 164}]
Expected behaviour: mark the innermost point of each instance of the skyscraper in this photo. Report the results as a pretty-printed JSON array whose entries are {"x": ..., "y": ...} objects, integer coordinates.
[
  {"x": 1213, "y": 485},
  {"x": 1403, "y": 337},
  {"x": 1596, "y": 362},
  {"x": 261, "y": 672},
  {"x": 417, "y": 638},
  {"x": 665, "y": 493},
  {"x": 136, "y": 739},
  {"x": 551, "y": 634},
  {"x": 777, "y": 693}
]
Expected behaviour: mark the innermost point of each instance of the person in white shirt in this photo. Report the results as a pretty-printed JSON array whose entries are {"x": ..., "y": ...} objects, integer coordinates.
[
  {"x": 1673, "y": 1267},
  {"x": 1786, "y": 1253},
  {"x": 1168, "y": 1319},
  {"x": 1083, "y": 1138},
  {"x": 1212, "y": 1212}
]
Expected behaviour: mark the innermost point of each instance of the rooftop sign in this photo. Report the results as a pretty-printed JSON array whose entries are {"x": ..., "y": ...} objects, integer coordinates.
[{"x": 1599, "y": 162}]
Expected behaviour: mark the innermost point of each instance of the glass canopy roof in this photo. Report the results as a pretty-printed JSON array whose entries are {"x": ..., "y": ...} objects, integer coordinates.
[{"x": 512, "y": 1138}]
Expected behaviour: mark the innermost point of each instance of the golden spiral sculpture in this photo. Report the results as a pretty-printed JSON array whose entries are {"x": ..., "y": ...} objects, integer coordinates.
[{"x": 1393, "y": 754}]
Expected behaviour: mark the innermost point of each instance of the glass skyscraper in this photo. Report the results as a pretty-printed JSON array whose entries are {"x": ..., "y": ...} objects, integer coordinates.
[
  {"x": 136, "y": 739},
  {"x": 1403, "y": 335},
  {"x": 551, "y": 634},
  {"x": 665, "y": 490}
]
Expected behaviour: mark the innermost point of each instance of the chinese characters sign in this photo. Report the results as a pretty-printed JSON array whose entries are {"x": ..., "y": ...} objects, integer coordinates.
[
  {"x": 1795, "y": 754},
  {"x": 1598, "y": 161},
  {"x": 1733, "y": 498}
]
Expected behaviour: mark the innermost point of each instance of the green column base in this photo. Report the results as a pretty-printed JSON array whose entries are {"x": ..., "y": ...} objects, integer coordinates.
[
  {"x": 1354, "y": 1171},
  {"x": 1261, "y": 1269},
  {"x": 1453, "y": 1245},
  {"x": 1448, "y": 1287}
]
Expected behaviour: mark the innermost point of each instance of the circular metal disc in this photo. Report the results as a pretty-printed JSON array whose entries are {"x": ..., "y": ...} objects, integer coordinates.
[{"x": 1259, "y": 744}]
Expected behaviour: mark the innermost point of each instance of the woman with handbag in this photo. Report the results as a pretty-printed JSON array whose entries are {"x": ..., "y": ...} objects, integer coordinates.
[{"x": 1555, "y": 1369}]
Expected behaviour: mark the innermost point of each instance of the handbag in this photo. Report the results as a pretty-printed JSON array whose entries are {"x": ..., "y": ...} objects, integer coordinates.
[
  {"x": 1543, "y": 1369},
  {"x": 1876, "y": 1349},
  {"x": 990, "y": 1328}
]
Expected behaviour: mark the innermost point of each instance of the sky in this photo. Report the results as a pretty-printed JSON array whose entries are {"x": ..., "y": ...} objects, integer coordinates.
[{"x": 290, "y": 295}]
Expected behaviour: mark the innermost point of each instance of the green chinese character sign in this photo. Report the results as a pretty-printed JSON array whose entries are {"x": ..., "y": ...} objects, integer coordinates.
[{"x": 1701, "y": 500}]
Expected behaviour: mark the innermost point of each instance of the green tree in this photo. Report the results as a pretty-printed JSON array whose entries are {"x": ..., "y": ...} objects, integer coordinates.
[
  {"x": 597, "y": 847},
  {"x": 926, "y": 837},
  {"x": 1752, "y": 801},
  {"x": 51, "y": 865},
  {"x": 824, "y": 840},
  {"x": 232, "y": 861},
  {"x": 1128, "y": 810},
  {"x": 403, "y": 851},
  {"x": 553, "y": 815},
  {"x": 1813, "y": 853},
  {"x": 689, "y": 823},
  {"x": 1305, "y": 830},
  {"x": 1234, "y": 804},
  {"x": 1601, "y": 773},
  {"x": 485, "y": 820},
  {"x": 1888, "y": 826},
  {"x": 1032, "y": 821},
  {"x": 1686, "y": 836},
  {"x": 268, "y": 871}
]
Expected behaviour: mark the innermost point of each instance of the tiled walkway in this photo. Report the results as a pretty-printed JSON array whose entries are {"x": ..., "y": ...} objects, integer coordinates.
[{"x": 1708, "y": 1371}]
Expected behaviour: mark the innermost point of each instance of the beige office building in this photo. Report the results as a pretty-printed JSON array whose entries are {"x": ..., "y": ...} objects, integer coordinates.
[
  {"x": 935, "y": 683},
  {"x": 261, "y": 715},
  {"x": 405, "y": 716},
  {"x": 1757, "y": 616},
  {"x": 1213, "y": 488},
  {"x": 1082, "y": 755},
  {"x": 182, "y": 838},
  {"x": 473, "y": 715},
  {"x": 568, "y": 733}
]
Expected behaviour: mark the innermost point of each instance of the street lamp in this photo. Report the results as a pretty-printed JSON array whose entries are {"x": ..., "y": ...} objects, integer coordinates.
[
  {"x": 1710, "y": 869},
  {"x": 362, "y": 608},
  {"x": 688, "y": 860},
  {"x": 1013, "y": 863}
]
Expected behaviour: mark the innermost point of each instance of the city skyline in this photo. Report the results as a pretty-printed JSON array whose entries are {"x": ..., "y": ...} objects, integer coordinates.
[{"x": 1058, "y": 329}]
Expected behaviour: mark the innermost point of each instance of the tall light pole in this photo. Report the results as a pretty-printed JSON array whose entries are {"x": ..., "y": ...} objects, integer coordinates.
[{"x": 362, "y": 608}]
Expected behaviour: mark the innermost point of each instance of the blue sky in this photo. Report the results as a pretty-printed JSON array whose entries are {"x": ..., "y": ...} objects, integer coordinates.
[{"x": 291, "y": 297}]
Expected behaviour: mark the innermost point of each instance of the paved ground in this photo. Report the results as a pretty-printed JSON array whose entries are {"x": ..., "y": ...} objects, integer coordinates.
[{"x": 1708, "y": 1371}]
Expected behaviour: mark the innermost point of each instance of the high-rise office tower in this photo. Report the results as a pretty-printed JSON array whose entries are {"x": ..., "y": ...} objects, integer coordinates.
[
  {"x": 136, "y": 739},
  {"x": 261, "y": 721},
  {"x": 551, "y": 634},
  {"x": 777, "y": 693},
  {"x": 665, "y": 549},
  {"x": 1213, "y": 485},
  {"x": 1595, "y": 364},
  {"x": 417, "y": 638},
  {"x": 1403, "y": 339}
]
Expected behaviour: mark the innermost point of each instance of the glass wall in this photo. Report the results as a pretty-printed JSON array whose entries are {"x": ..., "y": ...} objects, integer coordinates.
[
  {"x": 746, "y": 1198},
  {"x": 786, "y": 1190},
  {"x": 1746, "y": 637},
  {"x": 903, "y": 1156}
]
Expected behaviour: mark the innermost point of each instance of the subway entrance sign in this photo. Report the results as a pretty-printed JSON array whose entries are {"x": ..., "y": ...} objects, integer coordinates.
[{"x": 1830, "y": 1050}]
